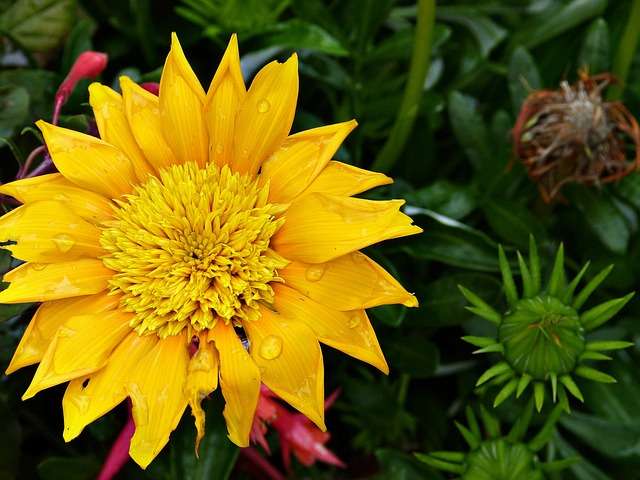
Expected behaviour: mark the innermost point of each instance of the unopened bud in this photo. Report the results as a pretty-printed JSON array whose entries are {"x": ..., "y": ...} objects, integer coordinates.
[{"x": 88, "y": 65}]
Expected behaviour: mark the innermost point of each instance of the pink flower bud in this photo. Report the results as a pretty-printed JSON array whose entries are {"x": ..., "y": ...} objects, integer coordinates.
[
  {"x": 88, "y": 65},
  {"x": 151, "y": 87}
]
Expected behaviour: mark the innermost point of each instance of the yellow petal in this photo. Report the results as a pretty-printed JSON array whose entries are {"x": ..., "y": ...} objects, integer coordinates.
[
  {"x": 239, "y": 381},
  {"x": 290, "y": 361},
  {"x": 89, "y": 397},
  {"x": 338, "y": 178},
  {"x": 143, "y": 113},
  {"x": 350, "y": 332},
  {"x": 320, "y": 227},
  {"x": 265, "y": 115},
  {"x": 157, "y": 394},
  {"x": 181, "y": 100},
  {"x": 39, "y": 282},
  {"x": 88, "y": 161},
  {"x": 82, "y": 345},
  {"x": 46, "y": 321},
  {"x": 89, "y": 205},
  {"x": 350, "y": 282},
  {"x": 300, "y": 159},
  {"x": 225, "y": 93},
  {"x": 47, "y": 231},
  {"x": 202, "y": 379},
  {"x": 113, "y": 124}
]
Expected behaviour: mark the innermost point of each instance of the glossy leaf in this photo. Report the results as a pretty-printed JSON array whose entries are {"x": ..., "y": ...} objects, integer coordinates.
[
  {"x": 38, "y": 25},
  {"x": 595, "y": 53},
  {"x": 470, "y": 129},
  {"x": 524, "y": 77}
]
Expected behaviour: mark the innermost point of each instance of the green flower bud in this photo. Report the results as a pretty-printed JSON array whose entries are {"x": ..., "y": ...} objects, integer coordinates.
[{"x": 542, "y": 337}]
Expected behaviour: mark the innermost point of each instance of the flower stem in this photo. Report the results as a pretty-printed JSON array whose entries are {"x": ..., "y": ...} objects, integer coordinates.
[
  {"x": 626, "y": 48},
  {"x": 403, "y": 389},
  {"x": 420, "y": 58}
]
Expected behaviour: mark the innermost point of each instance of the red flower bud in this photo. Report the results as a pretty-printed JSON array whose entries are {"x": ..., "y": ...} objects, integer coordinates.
[{"x": 88, "y": 65}]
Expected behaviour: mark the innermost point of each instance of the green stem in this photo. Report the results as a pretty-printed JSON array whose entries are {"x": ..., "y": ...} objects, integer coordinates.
[
  {"x": 543, "y": 436},
  {"x": 405, "y": 119},
  {"x": 626, "y": 48},
  {"x": 403, "y": 389}
]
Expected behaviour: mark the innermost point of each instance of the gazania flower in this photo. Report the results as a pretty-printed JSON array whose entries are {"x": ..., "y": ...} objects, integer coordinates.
[{"x": 196, "y": 218}]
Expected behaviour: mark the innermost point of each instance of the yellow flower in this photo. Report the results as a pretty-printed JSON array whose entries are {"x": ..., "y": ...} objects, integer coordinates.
[{"x": 196, "y": 219}]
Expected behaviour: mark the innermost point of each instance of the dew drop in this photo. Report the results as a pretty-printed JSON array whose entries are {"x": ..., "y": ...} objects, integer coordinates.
[
  {"x": 60, "y": 197},
  {"x": 353, "y": 321},
  {"x": 81, "y": 402},
  {"x": 219, "y": 148},
  {"x": 357, "y": 257},
  {"x": 315, "y": 272},
  {"x": 38, "y": 266},
  {"x": 65, "y": 332},
  {"x": 263, "y": 106},
  {"x": 63, "y": 242},
  {"x": 271, "y": 347}
]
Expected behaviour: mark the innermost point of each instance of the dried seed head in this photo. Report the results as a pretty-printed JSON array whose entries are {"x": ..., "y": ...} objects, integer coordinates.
[{"x": 572, "y": 135}]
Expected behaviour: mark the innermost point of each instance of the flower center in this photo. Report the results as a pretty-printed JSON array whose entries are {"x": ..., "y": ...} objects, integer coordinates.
[
  {"x": 191, "y": 247},
  {"x": 542, "y": 336}
]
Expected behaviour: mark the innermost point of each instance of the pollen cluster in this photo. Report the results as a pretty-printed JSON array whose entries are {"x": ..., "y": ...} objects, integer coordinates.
[{"x": 191, "y": 247}]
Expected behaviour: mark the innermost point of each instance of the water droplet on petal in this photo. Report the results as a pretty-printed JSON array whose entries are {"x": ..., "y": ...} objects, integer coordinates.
[
  {"x": 219, "y": 148},
  {"x": 38, "y": 266},
  {"x": 315, "y": 272},
  {"x": 271, "y": 347},
  {"x": 61, "y": 197},
  {"x": 63, "y": 242},
  {"x": 263, "y": 106},
  {"x": 81, "y": 402},
  {"x": 353, "y": 321},
  {"x": 357, "y": 257},
  {"x": 65, "y": 332}
]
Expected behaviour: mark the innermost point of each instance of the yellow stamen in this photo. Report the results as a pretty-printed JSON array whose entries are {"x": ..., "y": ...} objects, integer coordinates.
[{"x": 192, "y": 246}]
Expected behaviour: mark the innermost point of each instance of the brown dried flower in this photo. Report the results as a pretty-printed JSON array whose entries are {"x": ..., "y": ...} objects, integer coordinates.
[{"x": 572, "y": 135}]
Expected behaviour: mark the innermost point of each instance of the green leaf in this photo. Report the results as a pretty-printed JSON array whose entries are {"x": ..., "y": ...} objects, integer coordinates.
[
  {"x": 65, "y": 468},
  {"x": 470, "y": 129},
  {"x": 433, "y": 461},
  {"x": 9, "y": 442},
  {"x": 452, "y": 242},
  {"x": 602, "y": 313},
  {"x": 556, "y": 21},
  {"x": 593, "y": 374},
  {"x": 595, "y": 53},
  {"x": 608, "y": 222},
  {"x": 217, "y": 454},
  {"x": 299, "y": 34},
  {"x": 583, "y": 470},
  {"x": 612, "y": 439},
  {"x": 79, "y": 41},
  {"x": 40, "y": 85},
  {"x": 445, "y": 198},
  {"x": 487, "y": 33},
  {"x": 14, "y": 108},
  {"x": 480, "y": 307},
  {"x": 452, "y": 247},
  {"x": 442, "y": 304},
  {"x": 512, "y": 222},
  {"x": 508, "y": 283},
  {"x": 523, "y": 77},
  {"x": 38, "y": 25},
  {"x": 412, "y": 354},
  {"x": 401, "y": 466}
]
